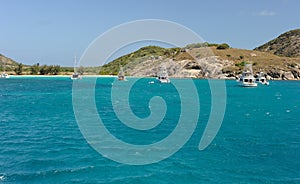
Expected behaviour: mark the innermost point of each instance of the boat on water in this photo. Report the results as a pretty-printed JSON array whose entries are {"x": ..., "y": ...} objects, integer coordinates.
[
  {"x": 163, "y": 76},
  {"x": 121, "y": 74},
  {"x": 75, "y": 75},
  {"x": 261, "y": 79},
  {"x": 4, "y": 75},
  {"x": 247, "y": 79}
]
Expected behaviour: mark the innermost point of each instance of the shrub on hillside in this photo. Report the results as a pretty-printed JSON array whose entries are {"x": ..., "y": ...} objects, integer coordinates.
[
  {"x": 241, "y": 64},
  {"x": 223, "y": 46}
]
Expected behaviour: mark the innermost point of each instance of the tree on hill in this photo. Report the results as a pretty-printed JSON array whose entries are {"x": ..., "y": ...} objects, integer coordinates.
[
  {"x": 19, "y": 69},
  {"x": 35, "y": 69},
  {"x": 56, "y": 69},
  {"x": 44, "y": 70}
]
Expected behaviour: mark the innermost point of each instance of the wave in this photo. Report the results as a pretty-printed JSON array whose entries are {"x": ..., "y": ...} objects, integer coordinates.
[{"x": 43, "y": 176}]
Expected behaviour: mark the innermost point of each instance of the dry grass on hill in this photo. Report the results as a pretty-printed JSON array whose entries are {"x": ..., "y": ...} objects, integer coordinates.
[{"x": 260, "y": 60}]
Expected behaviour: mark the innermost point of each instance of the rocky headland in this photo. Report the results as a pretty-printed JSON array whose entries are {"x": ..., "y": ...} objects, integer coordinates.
[{"x": 204, "y": 60}]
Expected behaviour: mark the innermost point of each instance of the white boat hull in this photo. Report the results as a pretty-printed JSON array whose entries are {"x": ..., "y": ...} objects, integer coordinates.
[
  {"x": 264, "y": 83},
  {"x": 164, "y": 80},
  {"x": 261, "y": 79},
  {"x": 246, "y": 84},
  {"x": 4, "y": 76},
  {"x": 75, "y": 76}
]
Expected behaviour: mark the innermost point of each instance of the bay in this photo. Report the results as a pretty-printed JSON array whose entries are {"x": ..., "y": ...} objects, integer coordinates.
[{"x": 40, "y": 141}]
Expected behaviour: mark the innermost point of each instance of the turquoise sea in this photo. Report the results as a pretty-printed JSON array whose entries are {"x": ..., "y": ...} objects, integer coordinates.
[{"x": 40, "y": 141}]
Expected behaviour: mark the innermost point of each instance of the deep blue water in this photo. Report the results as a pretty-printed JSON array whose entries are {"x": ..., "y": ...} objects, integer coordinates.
[{"x": 40, "y": 141}]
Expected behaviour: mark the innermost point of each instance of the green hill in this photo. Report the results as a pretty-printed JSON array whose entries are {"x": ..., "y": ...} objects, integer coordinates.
[{"x": 134, "y": 58}]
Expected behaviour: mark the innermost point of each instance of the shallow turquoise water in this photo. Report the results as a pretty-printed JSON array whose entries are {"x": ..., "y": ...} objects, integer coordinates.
[{"x": 40, "y": 142}]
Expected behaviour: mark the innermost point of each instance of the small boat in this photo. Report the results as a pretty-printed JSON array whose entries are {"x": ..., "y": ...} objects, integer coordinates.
[
  {"x": 163, "y": 76},
  {"x": 121, "y": 74},
  {"x": 261, "y": 79},
  {"x": 247, "y": 79},
  {"x": 75, "y": 75},
  {"x": 4, "y": 75}
]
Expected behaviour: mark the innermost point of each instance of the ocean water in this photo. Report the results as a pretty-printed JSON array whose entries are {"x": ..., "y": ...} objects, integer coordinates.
[{"x": 40, "y": 140}]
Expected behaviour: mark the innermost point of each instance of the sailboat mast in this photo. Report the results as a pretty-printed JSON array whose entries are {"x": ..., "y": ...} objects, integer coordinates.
[{"x": 75, "y": 62}]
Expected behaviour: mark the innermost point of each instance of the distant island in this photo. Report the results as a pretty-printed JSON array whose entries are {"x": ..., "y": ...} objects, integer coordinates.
[{"x": 278, "y": 58}]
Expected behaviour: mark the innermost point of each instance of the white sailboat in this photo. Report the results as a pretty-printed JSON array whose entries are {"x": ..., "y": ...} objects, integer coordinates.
[
  {"x": 121, "y": 74},
  {"x": 75, "y": 75},
  {"x": 247, "y": 79},
  {"x": 163, "y": 76}
]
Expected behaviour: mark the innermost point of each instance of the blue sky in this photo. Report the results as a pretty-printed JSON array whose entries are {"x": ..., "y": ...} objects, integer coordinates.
[{"x": 51, "y": 31}]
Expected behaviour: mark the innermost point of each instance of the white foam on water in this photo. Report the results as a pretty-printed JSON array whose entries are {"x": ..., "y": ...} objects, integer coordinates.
[{"x": 2, "y": 178}]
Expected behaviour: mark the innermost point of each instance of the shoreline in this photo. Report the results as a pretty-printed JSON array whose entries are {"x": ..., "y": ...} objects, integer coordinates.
[
  {"x": 114, "y": 76},
  {"x": 64, "y": 76}
]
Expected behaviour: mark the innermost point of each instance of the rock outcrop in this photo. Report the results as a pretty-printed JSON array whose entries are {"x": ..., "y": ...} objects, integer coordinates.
[
  {"x": 208, "y": 67},
  {"x": 283, "y": 74}
]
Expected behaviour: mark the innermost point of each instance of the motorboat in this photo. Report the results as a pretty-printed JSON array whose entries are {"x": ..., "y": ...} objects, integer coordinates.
[
  {"x": 75, "y": 76},
  {"x": 261, "y": 79},
  {"x": 163, "y": 76},
  {"x": 4, "y": 75},
  {"x": 247, "y": 79}
]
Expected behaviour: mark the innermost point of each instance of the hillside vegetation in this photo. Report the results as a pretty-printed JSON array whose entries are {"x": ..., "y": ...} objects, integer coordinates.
[
  {"x": 7, "y": 63},
  {"x": 287, "y": 44},
  {"x": 134, "y": 58}
]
